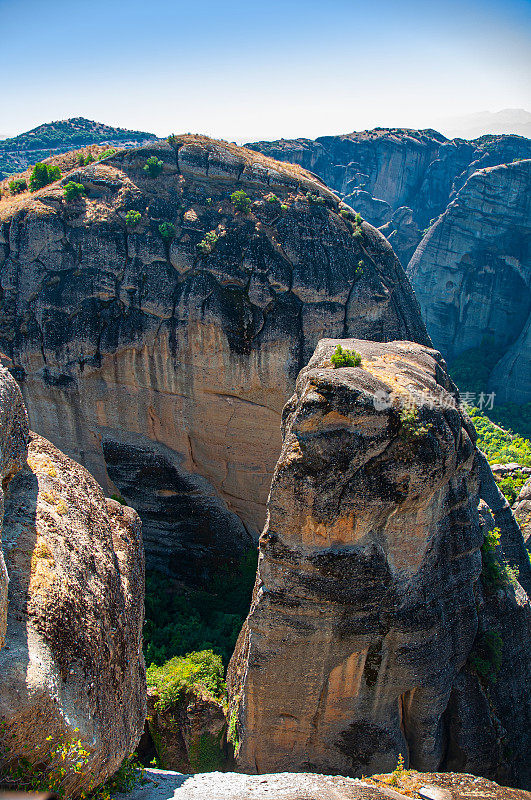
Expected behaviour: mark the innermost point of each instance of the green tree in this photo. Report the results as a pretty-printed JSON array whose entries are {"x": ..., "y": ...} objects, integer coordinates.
[
  {"x": 132, "y": 218},
  {"x": 42, "y": 175},
  {"x": 72, "y": 190},
  {"x": 17, "y": 185},
  {"x": 167, "y": 231},
  {"x": 153, "y": 166},
  {"x": 241, "y": 201},
  {"x": 345, "y": 358}
]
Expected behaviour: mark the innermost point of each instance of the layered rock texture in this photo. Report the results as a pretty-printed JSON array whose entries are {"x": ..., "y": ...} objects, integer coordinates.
[
  {"x": 472, "y": 275},
  {"x": 14, "y": 437},
  {"x": 471, "y": 223},
  {"x": 159, "y": 352},
  {"x": 71, "y": 667},
  {"x": 386, "y": 169},
  {"x": 377, "y": 626}
]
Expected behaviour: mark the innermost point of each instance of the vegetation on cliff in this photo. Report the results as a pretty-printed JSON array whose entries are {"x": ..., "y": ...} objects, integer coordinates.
[
  {"x": 180, "y": 620},
  {"x": 19, "y": 151}
]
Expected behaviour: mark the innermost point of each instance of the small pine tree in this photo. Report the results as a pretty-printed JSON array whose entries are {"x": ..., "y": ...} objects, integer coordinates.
[
  {"x": 42, "y": 175},
  {"x": 73, "y": 190},
  {"x": 345, "y": 358},
  {"x": 153, "y": 166},
  {"x": 167, "y": 231},
  {"x": 241, "y": 201}
]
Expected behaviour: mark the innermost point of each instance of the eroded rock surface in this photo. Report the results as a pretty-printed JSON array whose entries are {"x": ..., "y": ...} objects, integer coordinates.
[
  {"x": 188, "y": 735},
  {"x": 163, "y": 365},
  {"x": 369, "y": 607},
  {"x": 472, "y": 275},
  {"x": 71, "y": 667},
  {"x": 380, "y": 170},
  {"x": 164, "y": 785},
  {"x": 14, "y": 437}
]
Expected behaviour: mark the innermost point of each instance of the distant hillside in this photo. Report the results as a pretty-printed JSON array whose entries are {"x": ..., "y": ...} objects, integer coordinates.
[{"x": 17, "y": 153}]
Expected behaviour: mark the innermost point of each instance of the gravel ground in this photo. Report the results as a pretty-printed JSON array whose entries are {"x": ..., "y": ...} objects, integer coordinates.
[{"x": 165, "y": 785}]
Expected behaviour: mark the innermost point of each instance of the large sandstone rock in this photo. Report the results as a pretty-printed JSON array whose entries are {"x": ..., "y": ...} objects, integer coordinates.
[
  {"x": 472, "y": 275},
  {"x": 71, "y": 667},
  {"x": 162, "y": 366},
  {"x": 14, "y": 436},
  {"x": 368, "y": 605}
]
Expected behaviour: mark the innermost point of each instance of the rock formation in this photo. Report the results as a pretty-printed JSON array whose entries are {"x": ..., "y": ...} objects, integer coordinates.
[
  {"x": 165, "y": 785},
  {"x": 159, "y": 352},
  {"x": 472, "y": 275},
  {"x": 377, "y": 625},
  {"x": 189, "y": 735},
  {"x": 71, "y": 668},
  {"x": 471, "y": 269},
  {"x": 381, "y": 170},
  {"x": 14, "y": 437},
  {"x": 522, "y": 511}
]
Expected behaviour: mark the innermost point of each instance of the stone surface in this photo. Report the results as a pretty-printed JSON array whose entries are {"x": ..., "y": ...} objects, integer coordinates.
[
  {"x": 164, "y": 785},
  {"x": 368, "y": 603},
  {"x": 522, "y": 511},
  {"x": 72, "y": 662},
  {"x": 472, "y": 275},
  {"x": 395, "y": 167},
  {"x": 14, "y": 437},
  {"x": 189, "y": 735},
  {"x": 164, "y": 368}
]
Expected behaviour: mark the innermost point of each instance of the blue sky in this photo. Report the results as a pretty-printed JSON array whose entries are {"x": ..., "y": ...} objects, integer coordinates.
[{"x": 244, "y": 70}]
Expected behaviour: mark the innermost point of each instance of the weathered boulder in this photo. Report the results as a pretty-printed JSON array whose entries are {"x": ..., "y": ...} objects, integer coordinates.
[
  {"x": 472, "y": 275},
  {"x": 364, "y": 614},
  {"x": 188, "y": 735},
  {"x": 14, "y": 437},
  {"x": 71, "y": 668},
  {"x": 163, "y": 364}
]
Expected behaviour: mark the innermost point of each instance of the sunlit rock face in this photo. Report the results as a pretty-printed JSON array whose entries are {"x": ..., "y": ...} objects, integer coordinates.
[
  {"x": 163, "y": 364},
  {"x": 368, "y": 602},
  {"x": 71, "y": 665}
]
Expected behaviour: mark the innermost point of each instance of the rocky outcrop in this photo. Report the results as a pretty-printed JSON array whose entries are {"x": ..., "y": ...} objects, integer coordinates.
[
  {"x": 162, "y": 361},
  {"x": 522, "y": 511},
  {"x": 14, "y": 436},
  {"x": 71, "y": 668},
  {"x": 188, "y": 735},
  {"x": 472, "y": 275},
  {"x": 380, "y": 170},
  {"x": 165, "y": 785},
  {"x": 372, "y": 607}
]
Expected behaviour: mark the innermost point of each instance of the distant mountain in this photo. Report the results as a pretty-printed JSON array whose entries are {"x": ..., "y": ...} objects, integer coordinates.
[
  {"x": 18, "y": 152},
  {"x": 470, "y": 126}
]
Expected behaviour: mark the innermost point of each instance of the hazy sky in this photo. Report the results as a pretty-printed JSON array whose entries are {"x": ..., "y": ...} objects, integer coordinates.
[{"x": 248, "y": 70}]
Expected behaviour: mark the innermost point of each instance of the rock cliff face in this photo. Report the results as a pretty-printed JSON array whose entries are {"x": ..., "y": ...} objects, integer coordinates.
[
  {"x": 71, "y": 666},
  {"x": 372, "y": 607},
  {"x": 472, "y": 275},
  {"x": 402, "y": 181},
  {"x": 14, "y": 437},
  {"x": 381, "y": 170},
  {"x": 162, "y": 363}
]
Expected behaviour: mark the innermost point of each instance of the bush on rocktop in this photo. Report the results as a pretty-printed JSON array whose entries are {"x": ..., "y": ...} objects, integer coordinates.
[{"x": 345, "y": 358}]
